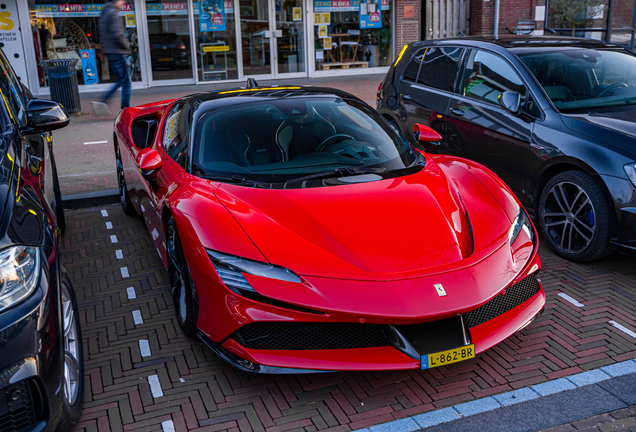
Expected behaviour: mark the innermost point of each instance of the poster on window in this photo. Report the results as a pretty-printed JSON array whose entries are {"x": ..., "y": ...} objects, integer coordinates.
[
  {"x": 211, "y": 15},
  {"x": 317, "y": 19},
  {"x": 370, "y": 14},
  {"x": 298, "y": 14},
  {"x": 322, "y": 32},
  {"x": 344, "y": 5},
  {"x": 89, "y": 67}
]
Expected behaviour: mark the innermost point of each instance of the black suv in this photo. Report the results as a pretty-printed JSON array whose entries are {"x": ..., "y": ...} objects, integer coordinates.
[
  {"x": 41, "y": 362},
  {"x": 552, "y": 116}
]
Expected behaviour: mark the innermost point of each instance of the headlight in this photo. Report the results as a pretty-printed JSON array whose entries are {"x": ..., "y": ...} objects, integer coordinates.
[
  {"x": 18, "y": 274},
  {"x": 231, "y": 268},
  {"x": 521, "y": 222},
  {"x": 630, "y": 170}
]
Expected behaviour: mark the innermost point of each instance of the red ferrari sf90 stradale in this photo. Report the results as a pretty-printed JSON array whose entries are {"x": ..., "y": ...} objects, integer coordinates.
[{"x": 302, "y": 233}]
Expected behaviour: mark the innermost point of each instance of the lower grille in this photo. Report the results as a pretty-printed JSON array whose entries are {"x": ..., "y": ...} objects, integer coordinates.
[
  {"x": 514, "y": 296},
  {"x": 17, "y": 411},
  {"x": 310, "y": 336}
]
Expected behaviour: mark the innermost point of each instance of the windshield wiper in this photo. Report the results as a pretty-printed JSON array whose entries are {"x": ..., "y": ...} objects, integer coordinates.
[
  {"x": 338, "y": 172},
  {"x": 238, "y": 180}
]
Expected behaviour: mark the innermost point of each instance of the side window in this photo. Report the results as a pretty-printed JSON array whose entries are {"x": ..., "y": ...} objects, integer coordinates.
[
  {"x": 440, "y": 67},
  {"x": 11, "y": 92},
  {"x": 487, "y": 76},
  {"x": 177, "y": 133},
  {"x": 413, "y": 68},
  {"x": 532, "y": 108}
]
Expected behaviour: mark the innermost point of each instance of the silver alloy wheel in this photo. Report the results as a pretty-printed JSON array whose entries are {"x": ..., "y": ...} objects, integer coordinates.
[
  {"x": 569, "y": 217},
  {"x": 71, "y": 348}
]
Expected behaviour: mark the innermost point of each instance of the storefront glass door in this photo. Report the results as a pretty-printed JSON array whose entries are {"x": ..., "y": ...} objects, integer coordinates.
[
  {"x": 169, "y": 36},
  {"x": 273, "y": 38}
]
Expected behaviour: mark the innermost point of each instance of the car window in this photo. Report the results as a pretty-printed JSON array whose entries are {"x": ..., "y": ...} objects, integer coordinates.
[
  {"x": 411, "y": 71},
  {"x": 487, "y": 76},
  {"x": 440, "y": 67},
  {"x": 11, "y": 92},
  {"x": 176, "y": 133}
]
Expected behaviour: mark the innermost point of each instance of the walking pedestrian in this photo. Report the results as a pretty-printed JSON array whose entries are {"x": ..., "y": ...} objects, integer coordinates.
[{"x": 116, "y": 46}]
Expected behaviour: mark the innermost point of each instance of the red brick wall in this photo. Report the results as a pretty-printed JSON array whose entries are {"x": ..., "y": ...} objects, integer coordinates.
[
  {"x": 482, "y": 15},
  {"x": 407, "y": 30}
]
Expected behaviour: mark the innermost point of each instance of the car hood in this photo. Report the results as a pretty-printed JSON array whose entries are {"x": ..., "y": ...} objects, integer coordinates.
[
  {"x": 384, "y": 230},
  {"x": 615, "y": 128}
]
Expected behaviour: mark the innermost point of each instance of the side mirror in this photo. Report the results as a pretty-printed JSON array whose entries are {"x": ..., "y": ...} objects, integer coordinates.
[
  {"x": 44, "y": 115},
  {"x": 510, "y": 101},
  {"x": 149, "y": 163},
  {"x": 427, "y": 136}
]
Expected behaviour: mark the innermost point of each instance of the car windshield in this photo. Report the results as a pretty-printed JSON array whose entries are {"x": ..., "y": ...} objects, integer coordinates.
[
  {"x": 292, "y": 138},
  {"x": 585, "y": 79}
]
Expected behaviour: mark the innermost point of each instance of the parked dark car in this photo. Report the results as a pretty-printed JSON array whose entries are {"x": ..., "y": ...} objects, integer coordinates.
[
  {"x": 168, "y": 50},
  {"x": 552, "y": 116},
  {"x": 41, "y": 358}
]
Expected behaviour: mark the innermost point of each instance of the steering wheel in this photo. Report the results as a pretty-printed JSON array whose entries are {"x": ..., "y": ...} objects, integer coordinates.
[
  {"x": 323, "y": 144},
  {"x": 615, "y": 85}
]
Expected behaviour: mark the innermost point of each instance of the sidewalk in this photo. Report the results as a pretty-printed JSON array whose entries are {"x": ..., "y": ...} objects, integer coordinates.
[{"x": 364, "y": 87}]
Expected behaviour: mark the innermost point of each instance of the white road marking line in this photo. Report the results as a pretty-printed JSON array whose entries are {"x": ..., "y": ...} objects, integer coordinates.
[
  {"x": 109, "y": 225},
  {"x": 155, "y": 386},
  {"x": 119, "y": 254},
  {"x": 131, "y": 293},
  {"x": 124, "y": 272},
  {"x": 144, "y": 347},
  {"x": 167, "y": 426},
  {"x": 83, "y": 174},
  {"x": 113, "y": 238},
  {"x": 95, "y": 142},
  {"x": 623, "y": 329},
  {"x": 104, "y": 213},
  {"x": 137, "y": 318},
  {"x": 572, "y": 300}
]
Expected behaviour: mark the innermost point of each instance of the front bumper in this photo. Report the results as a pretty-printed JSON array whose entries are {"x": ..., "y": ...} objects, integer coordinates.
[
  {"x": 30, "y": 361},
  {"x": 221, "y": 327},
  {"x": 623, "y": 202}
]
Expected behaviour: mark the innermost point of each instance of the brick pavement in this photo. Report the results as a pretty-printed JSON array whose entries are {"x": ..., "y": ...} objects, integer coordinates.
[
  {"x": 201, "y": 392},
  {"x": 89, "y": 182}
]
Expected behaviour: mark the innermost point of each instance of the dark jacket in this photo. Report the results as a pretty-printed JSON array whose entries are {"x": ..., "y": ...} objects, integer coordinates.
[{"x": 112, "y": 31}]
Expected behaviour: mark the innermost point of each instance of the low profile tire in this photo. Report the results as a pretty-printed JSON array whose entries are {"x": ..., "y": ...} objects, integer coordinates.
[
  {"x": 574, "y": 217},
  {"x": 181, "y": 282},
  {"x": 124, "y": 199},
  {"x": 73, "y": 366}
]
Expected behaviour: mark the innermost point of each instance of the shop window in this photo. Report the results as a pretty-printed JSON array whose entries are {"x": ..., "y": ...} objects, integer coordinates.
[
  {"x": 440, "y": 67},
  {"x": 215, "y": 30},
  {"x": 71, "y": 31},
  {"x": 352, "y": 34}
]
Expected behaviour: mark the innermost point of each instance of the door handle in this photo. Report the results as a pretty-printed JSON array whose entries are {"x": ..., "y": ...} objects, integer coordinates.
[
  {"x": 407, "y": 97},
  {"x": 457, "y": 112}
]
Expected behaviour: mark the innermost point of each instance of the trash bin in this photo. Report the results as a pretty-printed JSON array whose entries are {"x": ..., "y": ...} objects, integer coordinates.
[{"x": 63, "y": 83}]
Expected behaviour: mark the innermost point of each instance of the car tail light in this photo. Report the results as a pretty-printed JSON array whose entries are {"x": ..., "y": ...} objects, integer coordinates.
[
  {"x": 379, "y": 95},
  {"x": 181, "y": 47}
]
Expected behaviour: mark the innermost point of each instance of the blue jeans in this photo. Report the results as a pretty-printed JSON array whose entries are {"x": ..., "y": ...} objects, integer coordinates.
[{"x": 119, "y": 65}]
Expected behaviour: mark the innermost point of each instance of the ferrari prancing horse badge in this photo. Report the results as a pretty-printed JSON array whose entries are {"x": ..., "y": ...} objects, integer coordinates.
[{"x": 440, "y": 290}]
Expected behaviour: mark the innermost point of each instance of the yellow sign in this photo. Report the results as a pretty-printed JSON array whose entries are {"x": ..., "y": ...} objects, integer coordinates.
[
  {"x": 326, "y": 18},
  {"x": 322, "y": 32},
  {"x": 317, "y": 19},
  {"x": 130, "y": 20},
  {"x": 326, "y": 43},
  {"x": 6, "y": 23},
  {"x": 298, "y": 14},
  {"x": 216, "y": 48}
]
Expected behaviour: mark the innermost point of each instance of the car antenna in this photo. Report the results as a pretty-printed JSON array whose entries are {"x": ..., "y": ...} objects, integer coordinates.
[{"x": 251, "y": 83}]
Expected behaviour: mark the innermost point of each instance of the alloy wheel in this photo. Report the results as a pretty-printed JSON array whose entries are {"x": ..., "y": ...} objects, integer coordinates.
[
  {"x": 569, "y": 217},
  {"x": 177, "y": 282},
  {"x": 71, "y": 348},
  {"x": 121, "y": 181}
]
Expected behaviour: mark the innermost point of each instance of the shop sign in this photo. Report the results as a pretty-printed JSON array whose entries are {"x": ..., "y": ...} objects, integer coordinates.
[
  {"x": 218, "y": 48},
  {"x": 11, "y": 38},
  {"x": 211, "y": 15},
  {"x": 89, "y": 66},
  {"x": 343, "y": 5},
  {"x": 370, "y": 14},
  {"x": 95, "y": 10}
]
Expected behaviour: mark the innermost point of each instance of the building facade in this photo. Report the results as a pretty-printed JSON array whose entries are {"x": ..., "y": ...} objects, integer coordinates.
[{"x": 179, "y": 42}]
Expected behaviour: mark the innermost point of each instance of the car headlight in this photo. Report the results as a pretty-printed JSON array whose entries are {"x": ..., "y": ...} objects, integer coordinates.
[
  {"x": 231, "y": 268},
  {"x": 630, "y": 170},
  {"x": 18, "y": 274},
  {"x": 521, "y": 222}
]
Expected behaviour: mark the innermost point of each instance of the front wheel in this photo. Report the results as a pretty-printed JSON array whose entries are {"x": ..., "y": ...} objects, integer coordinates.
[
  {"x": 181, "y": 285},
  {"x": 124, "y": 198},
  {"x": 574, "y": 217},
  {"x": 73, "y": 367}
]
